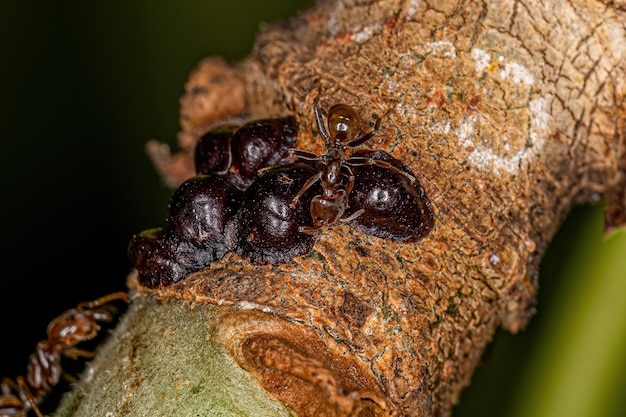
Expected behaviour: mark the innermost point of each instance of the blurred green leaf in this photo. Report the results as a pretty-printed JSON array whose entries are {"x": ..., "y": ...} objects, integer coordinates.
[{"x": 571, "y": 359}]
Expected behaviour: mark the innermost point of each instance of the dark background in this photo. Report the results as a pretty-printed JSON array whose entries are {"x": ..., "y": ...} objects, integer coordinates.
[{"x": 84, "y": 85}]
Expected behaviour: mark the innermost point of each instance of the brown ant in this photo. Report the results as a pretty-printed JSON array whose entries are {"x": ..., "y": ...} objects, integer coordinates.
[
  {"x": 334, "y": 173},
  {"x": 44, "y": 367}
]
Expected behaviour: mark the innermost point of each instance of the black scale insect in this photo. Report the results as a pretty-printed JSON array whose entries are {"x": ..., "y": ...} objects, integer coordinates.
[
  {"x": 237, "y": 153},
  {"x": 257, "y": 195},
  {"x": 199, "y": 227}
]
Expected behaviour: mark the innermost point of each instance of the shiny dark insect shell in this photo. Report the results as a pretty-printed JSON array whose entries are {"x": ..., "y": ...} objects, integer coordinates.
[
  {"x": 267, "y": 227},
  {"x": 393, "y": 207},
  {"x": 238, "y": 153},
  {"x": 194, "y": 234},
  {"x": 155, "y": 263},
  {"x": 212, "y": 153},
  {"x": 197, "y": 214}
]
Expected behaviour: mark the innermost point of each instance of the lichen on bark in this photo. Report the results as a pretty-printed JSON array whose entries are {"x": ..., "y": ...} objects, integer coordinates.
[{"x": 509, "y": 112}]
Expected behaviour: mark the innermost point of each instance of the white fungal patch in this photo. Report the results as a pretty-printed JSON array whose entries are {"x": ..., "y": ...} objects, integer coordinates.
[
  {"x": 365, "y": 33},
  {"x": 539, "y": 122},
  {"x": 466, "y": 132},
  {"x": 439, "y": 48},
  {"x": 481, "y": 59},
  {"x": 501, "y": 147},
  {"x": 481, "y": 156},
  {"x": 504, "y": 149},
  {"x": 540, "y": 118},
  {"x": 514, "y": 71},
  {"x": 486, "y": 158},
  {"x": 444, "y": 48},
  {"x": 412, "y": 8},
  {"x": 517, "y": 72}
]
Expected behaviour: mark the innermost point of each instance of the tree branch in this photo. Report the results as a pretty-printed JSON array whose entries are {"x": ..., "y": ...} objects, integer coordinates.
[{"x": 509, "y": 112}]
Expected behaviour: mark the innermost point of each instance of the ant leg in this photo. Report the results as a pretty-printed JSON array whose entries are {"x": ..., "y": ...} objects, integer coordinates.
[
  {"x": 387, "y": 165},
  {"x": 310, "y": 230},
  {"x": 75, "y": 353},
  {"x": 348, "y": 173},
  {"x": 382, "y": 164},
  {"x": 102, "y": 300},
  {"x": 29, "y": 395},
  {"x": 305, "y": 155},
  {"x": 352, "y": 216},
  {"x": 305, "y": 187},
  {"x": 348, "y": 188},
  {"x": 320, "y": 124},
  {"x": 288, "y": 155}
]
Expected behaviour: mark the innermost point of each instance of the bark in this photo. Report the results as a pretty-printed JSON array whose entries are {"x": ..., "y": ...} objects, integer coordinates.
[{"x": 509, "y": 112}]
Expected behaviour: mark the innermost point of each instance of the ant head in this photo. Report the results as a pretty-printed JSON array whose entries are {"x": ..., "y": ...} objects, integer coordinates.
[{"x": 343, "y": 122}]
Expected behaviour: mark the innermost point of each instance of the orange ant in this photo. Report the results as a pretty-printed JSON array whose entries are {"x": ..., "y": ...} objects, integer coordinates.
[
  {"x": 334, "y": 173},
  {"x": 44, "y": 366}
]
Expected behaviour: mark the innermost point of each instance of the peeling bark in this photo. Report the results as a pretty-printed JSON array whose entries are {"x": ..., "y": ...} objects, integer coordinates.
[{"x": 509, "y": 112}]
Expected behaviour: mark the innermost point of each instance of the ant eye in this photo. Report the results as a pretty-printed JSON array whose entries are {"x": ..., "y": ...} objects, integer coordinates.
[
  {"x": 393, "y": 207},
  {"x": 212, "y": 150},
  {"x": 259, "y": 144},
  {"x": 267, "y": 225}
]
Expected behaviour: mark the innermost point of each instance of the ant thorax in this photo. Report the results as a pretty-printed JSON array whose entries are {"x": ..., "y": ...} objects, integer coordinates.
[{"x": 332, "y": 177}]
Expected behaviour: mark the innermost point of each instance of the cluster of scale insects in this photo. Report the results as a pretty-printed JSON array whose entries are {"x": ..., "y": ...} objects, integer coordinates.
[
  {"x": 257, "y": 195},
  {"x": 25, "y": 393}
]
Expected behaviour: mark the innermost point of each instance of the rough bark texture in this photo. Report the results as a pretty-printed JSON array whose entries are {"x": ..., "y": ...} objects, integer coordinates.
[{"x": 509, "y": 112}]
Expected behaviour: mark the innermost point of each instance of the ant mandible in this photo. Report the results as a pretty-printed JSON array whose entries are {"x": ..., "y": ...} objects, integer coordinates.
[
  {"x": 334, "y": 173},
  {"x": 44, "y": 366}
]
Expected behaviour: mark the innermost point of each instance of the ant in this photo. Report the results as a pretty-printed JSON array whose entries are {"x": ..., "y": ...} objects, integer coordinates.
[
  {"x": 334, "y": 173},
  {"x": 44, "y": 367}
]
